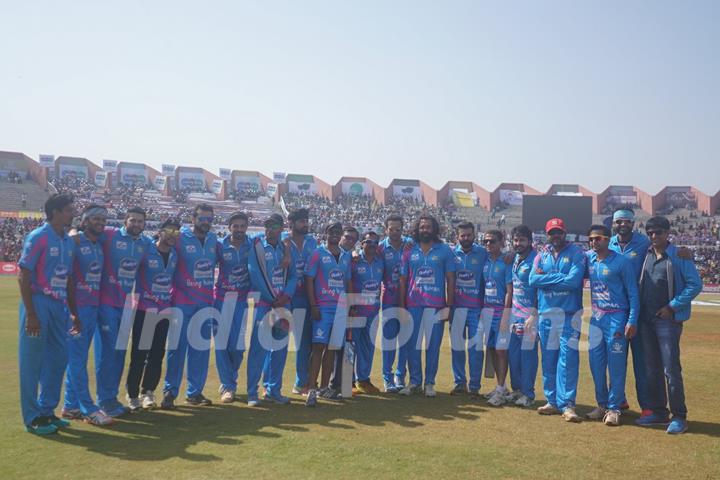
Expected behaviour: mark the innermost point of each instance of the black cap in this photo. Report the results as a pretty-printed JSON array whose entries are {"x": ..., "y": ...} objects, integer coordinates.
[
  {"x": 274, "y": 219},
  {"x": 333, "y": 226},
  {"x": 299, "y": 214}
]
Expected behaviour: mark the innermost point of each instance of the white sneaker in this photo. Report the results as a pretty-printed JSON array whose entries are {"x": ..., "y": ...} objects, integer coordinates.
[
  {"x": 410, "y": 389},
  {"x": 133, "y": 403},
  {"x": 524, "y": 401},
  {"x": 497, "y": 399},
  {"x": 227, "y": 397},
  {"x": 612, "y": 418},
  {"x": 430, "y": 390},
  {"x": 489, "y": 394},
  {"x": 510, "y": 397},
  {"x": 148, "y": 400}
]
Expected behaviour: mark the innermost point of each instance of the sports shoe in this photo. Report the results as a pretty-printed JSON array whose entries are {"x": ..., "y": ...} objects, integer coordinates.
[
  {"x": 459, "y": 389},
  {"x": 148, "y": 400},
  {"x": 524, "y": 401},
  {"x": 311, "y": 400},
  {"x": 71, "y": 413},
  {"x": 134, "y": 404},
  {"x": 489, "y": 394},
  {"x": 410, "y": 389},
  {"x": 430, "y": 391},
  {"x": 168, "y": 402},
  {"x": 569, "y": 415},
  {"x": 58, "y": 422},
  {"x": 653, "y": 419},
  {"x": 646, "y": 412},
  {"x": 474, "y": 394},
  {"x": 99, "y": 419},
  {"x": 41, "y": 426},
  {"x": 296, "y": 390},
  {"x": 399, "y": 382},
  {"x": 330, "y": 393},
  {"x": 597, "y": 413},
  {"x": 279, "y": 399},
  {"x": 548, "y": 409},
  {"x": 625, "y": 405},
  {"x": 198, "y": 400},
  {"x": 253, "y": 401},
  {"x": 497, "y": 399},
  {"x": 677, "y": 426},
  {"x": 367, "y": 388},
  {"x": 391, "y": 388},
  {"x": 227, "y": 397},
  {"x": 510, "y": 397},
  {"x": 612, "y": 418}
]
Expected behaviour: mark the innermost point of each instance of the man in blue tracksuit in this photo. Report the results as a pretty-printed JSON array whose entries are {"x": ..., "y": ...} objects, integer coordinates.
[
  {"x": 470, "y": 261},
  {"x": 367, "y": 274},
  {"x": 275, "y": 285},
  {"x": 558, "y": 275},
  {"x": 197, "y": 250},
  {"x": 45, "y": 283},
  {"x": 302, "y": 245},
  {"x": 668, "y": 284},
  {"x": 233, "y": 277},
  {"x": 523, "y": 348},
  {"x": 615, "y": 305}
]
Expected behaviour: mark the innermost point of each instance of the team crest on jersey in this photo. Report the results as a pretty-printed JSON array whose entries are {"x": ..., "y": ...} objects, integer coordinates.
[
  {"x": 474, "y": 261},
  {"x": 434, "y": 258},
  {"x": 54, "y": 251},
  {"x": 268, "y": 256},
  {"x": 605, "y": 271},
  {"x": 121, "y": 245},
  {"x": 388, "y": 256},
  {"x": 153, "y": 263},
  {"x": 361, "y": 269},
  {"x": 326, "y": 260},
  {"x": 633, "y": 254},
  {"x": 190, "y": 249},
  {"x": 566, "y": 260},
  {"x": 415, "y": 256},
  {"x": 85, "y": 250},
  {"x": 140, "y": 249}
]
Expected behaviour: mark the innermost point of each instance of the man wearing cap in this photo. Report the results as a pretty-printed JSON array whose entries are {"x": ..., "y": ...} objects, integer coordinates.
[
  {"x": 558, "y": 275},
  {"x": 301, "y": 246},
  {"x": 87, "y": 272}
]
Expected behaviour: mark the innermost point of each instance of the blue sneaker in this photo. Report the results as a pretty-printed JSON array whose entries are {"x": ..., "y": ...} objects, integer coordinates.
[
  {"x": 276, "y": 398},
  {"x": 677, "y": 425},
  {"x": 58, "y": 422},
  {"x": 118, "y": 411},
  {"x": 41, "y": 426},
  {"x": 653, "y": 419}
]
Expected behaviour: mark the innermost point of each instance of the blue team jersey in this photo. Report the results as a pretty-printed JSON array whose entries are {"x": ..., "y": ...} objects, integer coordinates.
[
  {"x": 524, "y": 301},
  {"x": 87, "y": 271},
  {"x": 613, "y": 286},
  {"x": 426, "y": 274},
  {"x": 49, "y": 257},
  {"x": 561, "y": 286},
  {"x": 635, "y": 250},
  {"x": 367, "y": 280},
  {"x": 267, "y": 275},
  {"x": 155, "y": 279},
  {"x": 195, "y": 273},
  {"x": 469, "y": 283},
  {"x": 497, "y": 275},
  {"x": 300, "y": 257},
  {"x": 392, "y": 258},
  {"x": 233, "y": 274},
  {"x": 329, "y": 275},
  {"x": 122, "y": 254}
]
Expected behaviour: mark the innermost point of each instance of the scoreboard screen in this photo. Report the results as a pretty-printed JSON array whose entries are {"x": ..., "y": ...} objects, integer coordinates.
[{"x": 575, "y": 211}]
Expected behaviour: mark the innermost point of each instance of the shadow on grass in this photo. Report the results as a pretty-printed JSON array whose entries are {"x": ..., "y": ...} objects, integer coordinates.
[{"x": 158, "y": 435}]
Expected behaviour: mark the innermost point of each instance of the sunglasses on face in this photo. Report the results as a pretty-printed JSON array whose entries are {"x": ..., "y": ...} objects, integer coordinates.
[
  {"x": 170, "y": 232},
  {"x": 652, "y": 233},
  {"x": 489, "y": 241}
]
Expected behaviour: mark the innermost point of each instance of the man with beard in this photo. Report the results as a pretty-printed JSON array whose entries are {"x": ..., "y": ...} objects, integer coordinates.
[
  {"x": 427, "y": 288},
  {"x": 87, "y": 272},
  {"x": 154, "y": 289},
  {"x": 327, "y": 282},
  {"x": 197, "y": 250},
  {"x": 301, "y": 246},
  {"x": 470, "y": 260},
  {"x": 390, "y": 250},
  {"x": 523, "y": 348},
  {"x": 558, "y": 275},
  {"x": 123, "y": 249},
  {"x": 232, "y": 253},
  {"x": 350, "y": 237},
  {"x": 274, "y": 279},
  {"x": 46, "y": 290},
  {"x": 615, "y": 305}
]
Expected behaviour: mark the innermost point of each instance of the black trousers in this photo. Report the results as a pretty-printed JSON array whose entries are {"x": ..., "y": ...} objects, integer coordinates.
[{"x": 146, "y": 365}]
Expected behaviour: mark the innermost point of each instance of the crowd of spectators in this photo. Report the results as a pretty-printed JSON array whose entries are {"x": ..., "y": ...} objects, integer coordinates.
[{"x": 12, "y": 234}]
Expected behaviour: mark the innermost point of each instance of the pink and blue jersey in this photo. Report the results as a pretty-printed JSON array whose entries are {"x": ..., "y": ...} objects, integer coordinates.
[
  {"x": 524, "y": 300},
  {"x": 122, "y": 255},
  {"x": 87, "y": 271},
  {"x": 392, "y": 259},
  {"x": 300, "y": 258},
  {"x": 561, "y": 284},
  {"x": 367, "y": 280},
  {"x": 233, "y": 274},
  {"x": 267, "y": 275},
  {"x": 195, "y": 272},
  {"x": 155, "y": 279},
  {"x": 469, "y": 284},
  {"x": 426, "y": 274},
  {"x": 497, "y": 275},
  {"x": 329, "y": 275},
  {"x": 49, "y": 257},
  {"x": 613, "y": 286},
  {"x": 635, "y": 250}
]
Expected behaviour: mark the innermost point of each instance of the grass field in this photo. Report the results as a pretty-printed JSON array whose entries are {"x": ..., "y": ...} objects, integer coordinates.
[{"x": 372, "y": 437}]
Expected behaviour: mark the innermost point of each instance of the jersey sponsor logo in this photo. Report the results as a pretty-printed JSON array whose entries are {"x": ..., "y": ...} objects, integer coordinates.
[
  {"x": 326, "y": 260},
  {"x": 371, "y": 286},
  {"x": 128, "y": 268},
  {"x": 161, "y": 283},
  {"x": 465, "y": 279},
  {"x": 120, "y": 245},
  {"x": 278, "y": 277},
  {"x": 94, "y": 271},
  {"x": 335, "y": 279},
  {"x": 203, "y": 269},
  {"x": 60, "y": 276},
  {"x": 425, "y": 276}
]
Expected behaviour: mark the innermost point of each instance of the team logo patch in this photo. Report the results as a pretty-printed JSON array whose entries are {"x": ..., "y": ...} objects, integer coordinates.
[
  {"x": 190, "y": 249},
  {"x": 85, "y": 250},
  {"x": 388, "y": 256},
  {"x": 120, "y": 245},
  {"x": 268, "y": 256},
  {"x": 319, "y": 332},
  {"x": 326, "y": 260},
  {"x": 153, "y": 263},
  {"x": 361, "y": 269},
  {"x": 54, "y": 251}
]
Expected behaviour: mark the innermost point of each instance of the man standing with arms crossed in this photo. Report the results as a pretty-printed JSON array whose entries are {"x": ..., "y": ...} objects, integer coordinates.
[
  {"x": 427, "y": 288},
  {"x": 197, "y": 249},
  {"x": 45, "y": 286},
  {"x": 558, "y": 275}
]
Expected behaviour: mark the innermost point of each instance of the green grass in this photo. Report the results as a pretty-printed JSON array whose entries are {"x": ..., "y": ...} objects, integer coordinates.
[{"x": 383, "y": 436}]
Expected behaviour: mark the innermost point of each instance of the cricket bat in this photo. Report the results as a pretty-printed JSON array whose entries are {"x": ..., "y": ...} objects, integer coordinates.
[
  {"x": 348, "y": 366},
  {"x": 489, "y": 366}
]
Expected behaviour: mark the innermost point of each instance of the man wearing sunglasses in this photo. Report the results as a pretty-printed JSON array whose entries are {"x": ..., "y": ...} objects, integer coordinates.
[
  {"x": 367, "y": 273},
  {"x": 668, "y": 284},
  {"x": 193, "y": 290},
  {"x": 558, "y": 275},
  {"x": 615, "y": 305}
]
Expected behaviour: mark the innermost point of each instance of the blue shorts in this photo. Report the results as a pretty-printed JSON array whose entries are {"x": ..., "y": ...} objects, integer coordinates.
[
  {"x": 495, "y": 339},
  {"x": 329, "y": 330}
]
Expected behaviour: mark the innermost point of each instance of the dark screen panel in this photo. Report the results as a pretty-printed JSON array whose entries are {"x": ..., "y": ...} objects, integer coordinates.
[{"x": 575, "y": 211}]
